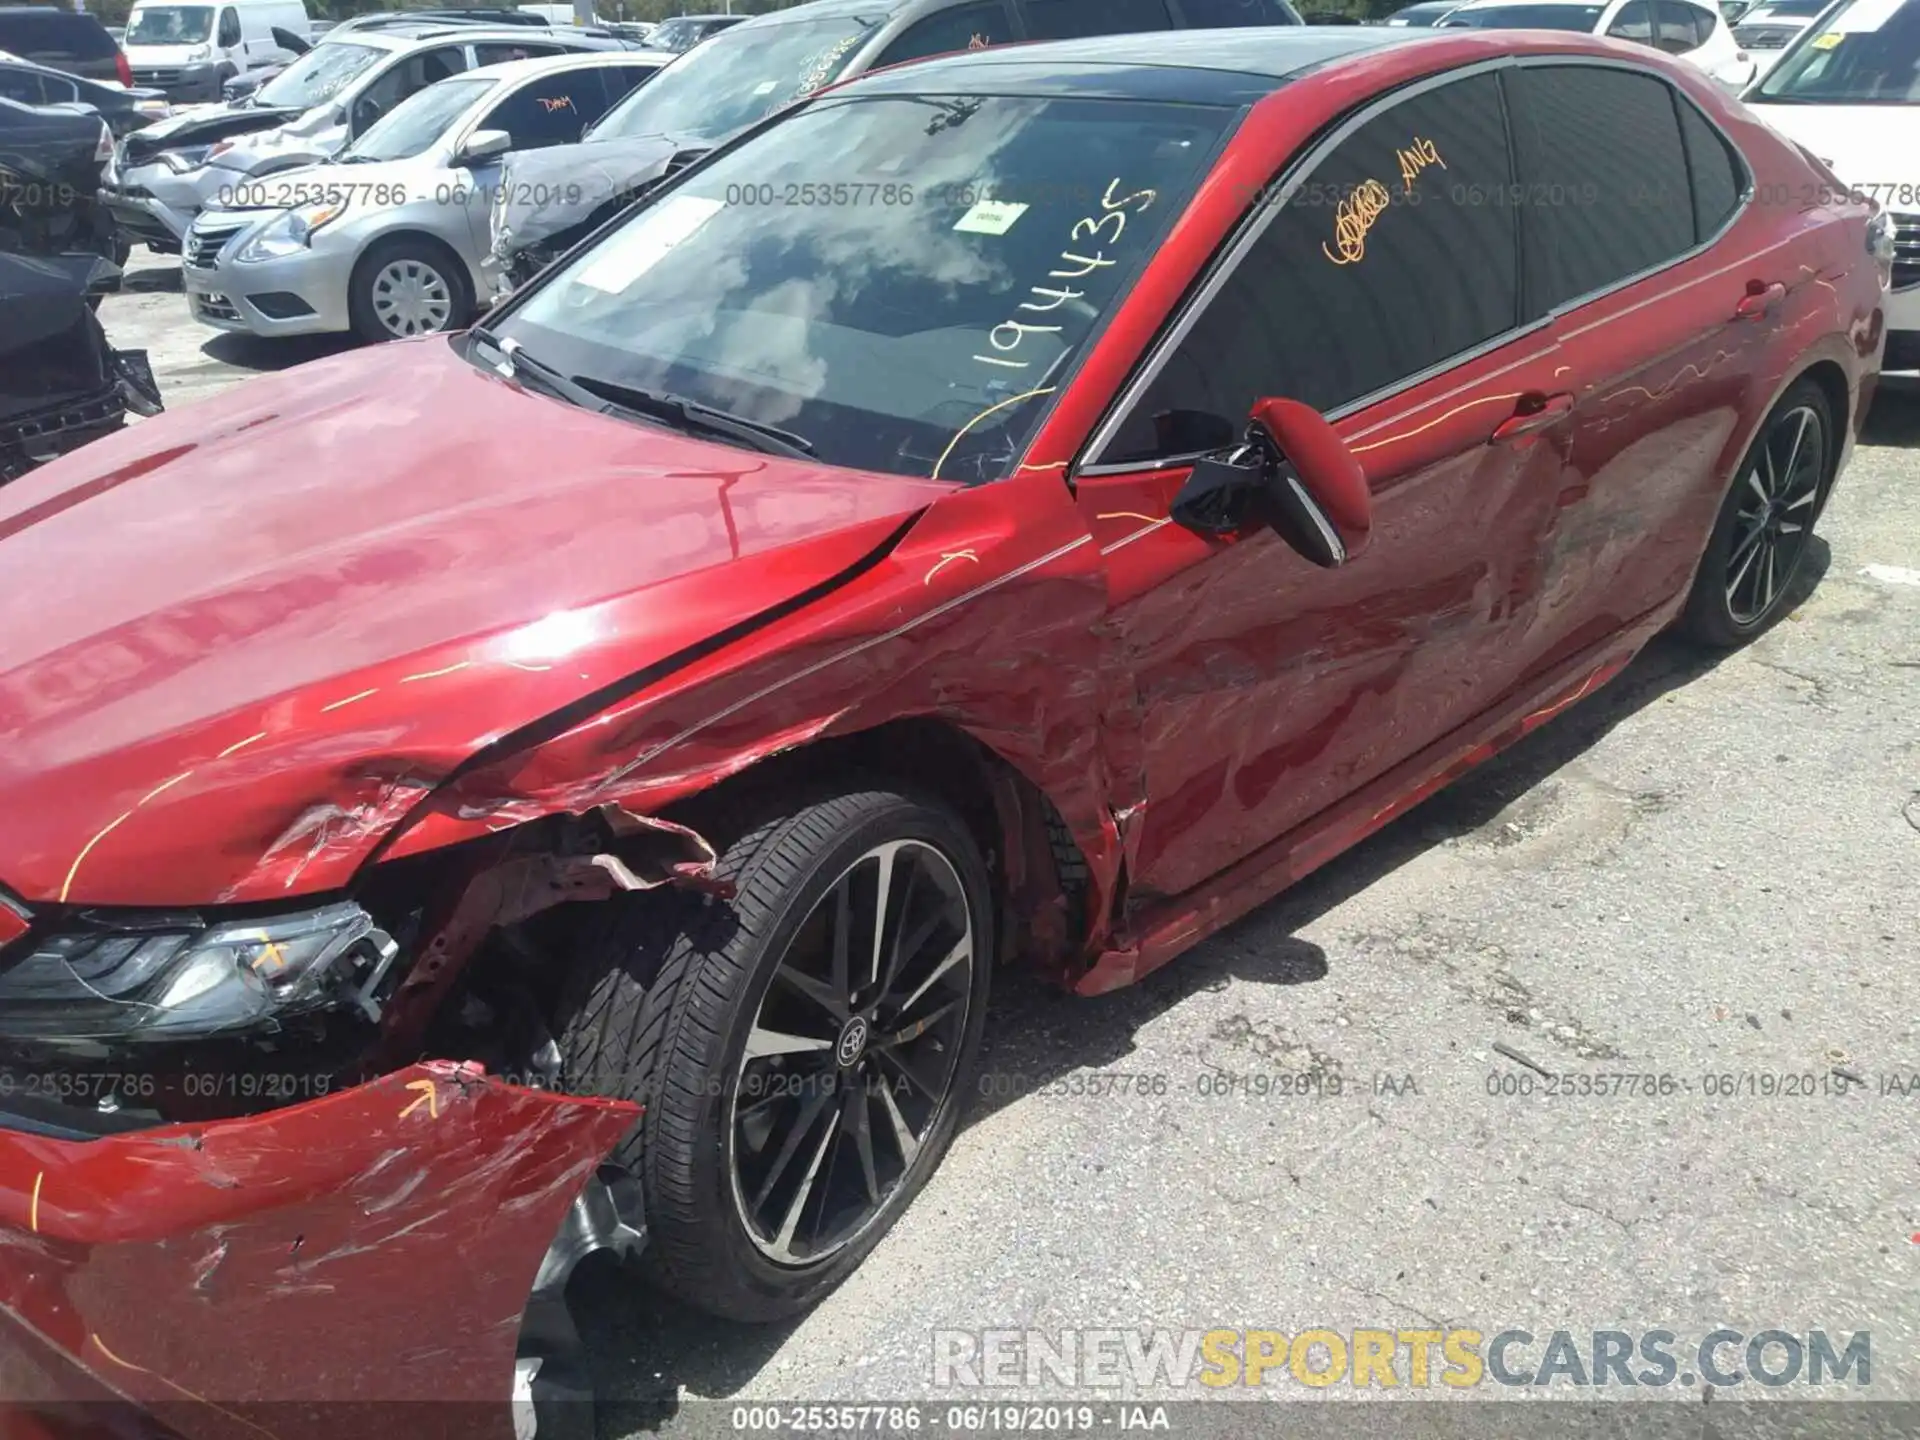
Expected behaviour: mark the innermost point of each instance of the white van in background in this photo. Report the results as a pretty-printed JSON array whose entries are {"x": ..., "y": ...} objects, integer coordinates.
[
  {"x": 552, "y": 14},
  {"x": 189, "y": 48}
]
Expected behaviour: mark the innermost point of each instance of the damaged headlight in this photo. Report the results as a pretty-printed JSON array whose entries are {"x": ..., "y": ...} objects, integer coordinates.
[{"x": 161, "y": 980}]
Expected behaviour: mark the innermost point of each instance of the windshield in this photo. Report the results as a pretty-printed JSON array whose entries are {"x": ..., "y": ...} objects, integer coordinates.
[
  {"x": 417, "y": 122},
  {"x": 170, "y": 25},
  {"x": 317, "y": 76},
  {"x": 1526, "y": 17},
  {"x": 901, "y": 280},
  {"x": 1866, "y": 53},
  {"x": 736, "y": 78},
  {"x": 1787, "y": 10},
  {"x": 676, "y": 35}
]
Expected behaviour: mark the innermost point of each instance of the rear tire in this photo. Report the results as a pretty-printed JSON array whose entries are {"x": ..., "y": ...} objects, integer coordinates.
[
  {"x": 789, "y": 1123},
  {"x": 1759, "y": 540}
]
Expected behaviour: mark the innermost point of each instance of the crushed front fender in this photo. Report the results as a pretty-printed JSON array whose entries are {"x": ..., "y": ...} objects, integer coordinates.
[{"x": 267, "y": 1275}]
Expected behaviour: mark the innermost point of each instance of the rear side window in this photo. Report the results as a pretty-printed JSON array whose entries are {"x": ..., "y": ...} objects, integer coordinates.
[
  {"x": 1634, "y": 22},
  {"x": 1396, "y": 253},
  {"x": 1069, "y": 19},
  {"x": 965, "y": 27},
  {"x": 1718, "y": 178},
  {"x": 1679, "y": 30},
  {"x": 1605, "y": 175},
  {"x": 30, "y": 33},
  {"x": 1219, "y": 14}
]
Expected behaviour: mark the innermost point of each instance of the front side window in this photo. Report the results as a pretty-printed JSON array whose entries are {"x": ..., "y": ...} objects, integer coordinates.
[
  {"x": 416, "y": 123},
  {"x": 21, "y": 85},
  {"x": 903, "y": 281},
  {"x": 1069, "y": 19},
  {"x": 552, "y": 110},
  {"x": 320, "y": 74},
  {"x": 1395, "y": 253},
  {"x": 1602, "y": 149},
  {"x": 1865, "y": 53},
  {"x": 499, "y": 53},
  {"x": 408, "y": 77},
  {"x": 229, "y": 33},
  {"x": 170, "y": 25},
  {"x": 738, "y": 78},
  {"x": 965, "y": 27}
]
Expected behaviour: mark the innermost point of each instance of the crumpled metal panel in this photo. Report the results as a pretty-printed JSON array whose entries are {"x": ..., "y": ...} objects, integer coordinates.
[{"x": 377, "y": 1245}]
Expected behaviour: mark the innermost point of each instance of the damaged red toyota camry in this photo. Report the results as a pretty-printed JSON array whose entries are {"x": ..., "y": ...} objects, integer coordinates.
[{"x": 483, "y": 800}]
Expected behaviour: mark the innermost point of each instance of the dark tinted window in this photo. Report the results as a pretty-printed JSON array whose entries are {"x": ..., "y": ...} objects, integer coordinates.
[
  {"x": 1209, "y": 14},
  {"x": 1717, "y": 176},
  {"x": 1634, "y": 22},
  {"x": 1680, "y": 27},
  {"x": 500, "y": 52},
  {"x": 552, "y": 110},
  {"x": 619, "y": 79},
  {"x": 229, "y": 32},
  {"x": 33, "y": 33},
  {"x": 1395, "y": 253},
  {"x": 1600, "y": 154},
  {"x": 21, "y": 85},
  {"x": 965, "y": 27},
  {"x": 1067, "y": 19}
]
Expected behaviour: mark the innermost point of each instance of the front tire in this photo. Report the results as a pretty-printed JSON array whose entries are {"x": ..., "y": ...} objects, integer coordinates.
[
  {"x": 803, "y": 1050},
  {"x": 406, "y": 287},
  {"x": 1760, "y": 538}
]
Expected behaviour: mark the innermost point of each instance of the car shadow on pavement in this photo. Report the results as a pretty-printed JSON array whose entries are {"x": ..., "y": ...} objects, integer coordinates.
[
  {"x": 646, "y": 1350},
  {"x": 1895, "y": 417},
  {"x": 251, "y": 352},
  {"x": 152, "y": 280}
]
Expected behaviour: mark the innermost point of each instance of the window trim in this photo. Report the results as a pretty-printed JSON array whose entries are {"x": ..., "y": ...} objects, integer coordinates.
[{"x": 1234, "y": 251}]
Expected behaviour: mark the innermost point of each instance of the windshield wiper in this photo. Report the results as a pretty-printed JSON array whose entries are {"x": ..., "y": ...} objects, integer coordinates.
[
  {"x": 692, "y": 415},
  {"x": 604, "y": 397}
]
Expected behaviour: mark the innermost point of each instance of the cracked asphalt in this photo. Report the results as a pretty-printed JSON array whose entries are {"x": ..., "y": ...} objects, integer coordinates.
[{"x": 1709, "y": 869}]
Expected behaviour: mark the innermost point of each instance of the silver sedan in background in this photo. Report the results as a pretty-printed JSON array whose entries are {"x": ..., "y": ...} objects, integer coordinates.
[{"x": 387, "y": 239}]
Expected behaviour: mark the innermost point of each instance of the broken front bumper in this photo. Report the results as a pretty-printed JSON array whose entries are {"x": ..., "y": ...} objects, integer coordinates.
[{"x": 354, "y": 1264}]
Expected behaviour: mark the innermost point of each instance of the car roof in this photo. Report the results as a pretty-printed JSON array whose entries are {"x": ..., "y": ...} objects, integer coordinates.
[
  {"x": 512, "y": 71},
  {"x": 404, "y": 37},
  {"x": 1166, "y": 64},
  {"x": 1503, "y": 4}
]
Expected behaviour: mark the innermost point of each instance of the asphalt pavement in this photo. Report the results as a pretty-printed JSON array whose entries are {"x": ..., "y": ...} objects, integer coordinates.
[{"x": 1707, "y": 877}]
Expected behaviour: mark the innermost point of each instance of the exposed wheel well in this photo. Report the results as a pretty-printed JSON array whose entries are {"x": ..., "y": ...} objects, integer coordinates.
[
  {"x": 1832, "y": 381},
  {"x": 1038, "y": 870}
]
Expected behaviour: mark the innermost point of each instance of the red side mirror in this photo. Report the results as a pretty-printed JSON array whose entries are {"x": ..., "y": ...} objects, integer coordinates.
[{"x": 1325, "y": 495}]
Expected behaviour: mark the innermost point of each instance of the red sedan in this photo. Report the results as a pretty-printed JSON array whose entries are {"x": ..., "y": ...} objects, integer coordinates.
[{"x": 1030, "y": 506}]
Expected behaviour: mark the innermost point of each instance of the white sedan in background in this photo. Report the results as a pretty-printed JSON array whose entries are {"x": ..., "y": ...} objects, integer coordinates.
[
  {"x": 1697, "y": 33},
  {"x": 1848, "y": 90}
]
